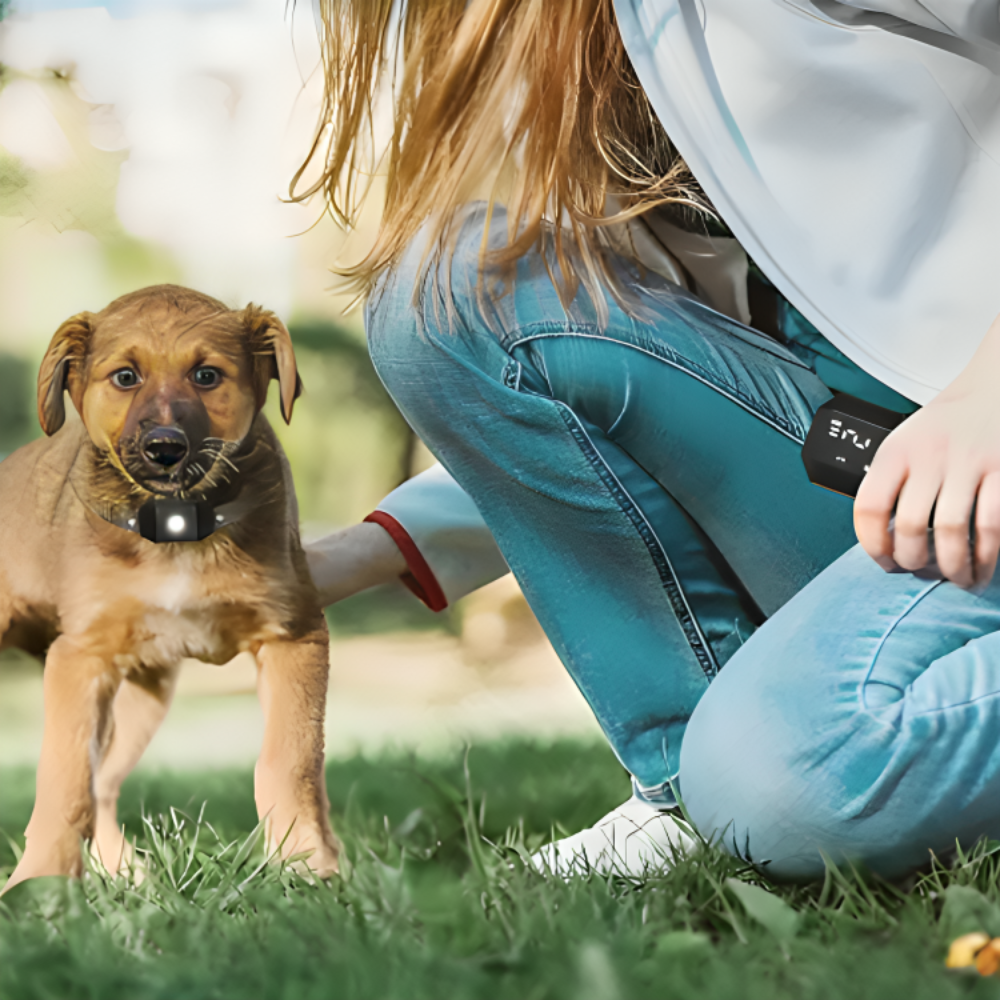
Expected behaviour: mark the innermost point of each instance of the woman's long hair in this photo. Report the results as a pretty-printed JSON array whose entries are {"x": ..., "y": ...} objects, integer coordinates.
[{"x": 533, "y": 103}]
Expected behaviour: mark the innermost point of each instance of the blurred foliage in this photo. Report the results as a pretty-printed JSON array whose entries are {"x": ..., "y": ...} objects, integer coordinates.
[
  {"x": 347, "y": 443},
  {"x": 338, "y": 343},
  {"x": 391, "y": 608},
  {"x": 18, "y": 424},
  {"x": 14, "y": 182},
  {"x": 82, "y": 193},
  {"x": 131, "y": 263}
]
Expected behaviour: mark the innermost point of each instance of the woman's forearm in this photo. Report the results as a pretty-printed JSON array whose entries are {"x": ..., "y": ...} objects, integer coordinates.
[{"x": 353, "y": 560}]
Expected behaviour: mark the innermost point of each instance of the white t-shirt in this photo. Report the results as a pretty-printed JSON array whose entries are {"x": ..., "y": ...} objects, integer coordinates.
[{"x": 854, "y": 150}]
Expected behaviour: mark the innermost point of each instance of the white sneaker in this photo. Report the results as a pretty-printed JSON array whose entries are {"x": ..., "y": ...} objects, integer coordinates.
[{"x": 631, "y": 840}]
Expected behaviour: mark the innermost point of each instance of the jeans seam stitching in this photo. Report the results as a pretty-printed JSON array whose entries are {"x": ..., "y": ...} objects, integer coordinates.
[
  {"x": 957, "y": 704},
  {"x": 690, "y": 368},
  {"x": 556, "y": 327},
  {"x": 675, "y": 592},
  {"x": 917, "y": 598}
]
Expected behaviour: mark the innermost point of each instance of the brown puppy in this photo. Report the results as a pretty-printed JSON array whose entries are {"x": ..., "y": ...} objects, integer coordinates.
[{"x": 169, "y": 384}]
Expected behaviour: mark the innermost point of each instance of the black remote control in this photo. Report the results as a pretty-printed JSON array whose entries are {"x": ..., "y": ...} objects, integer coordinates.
[{"x": 842, "y": 441}]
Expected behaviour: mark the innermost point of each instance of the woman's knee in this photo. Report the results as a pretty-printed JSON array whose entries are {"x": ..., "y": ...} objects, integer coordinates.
[
  {"x": 758, "y": 778},
  {"x": 789, "y": 776}
]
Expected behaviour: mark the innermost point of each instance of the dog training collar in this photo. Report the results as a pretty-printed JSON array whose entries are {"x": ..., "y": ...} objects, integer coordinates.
[
  {"x": 842, "y": 441},
  {"x": 168, "y": 520}
]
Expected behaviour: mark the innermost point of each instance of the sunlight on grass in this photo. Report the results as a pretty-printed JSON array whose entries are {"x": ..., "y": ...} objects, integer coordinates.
[{"x": 439, "y": 900}]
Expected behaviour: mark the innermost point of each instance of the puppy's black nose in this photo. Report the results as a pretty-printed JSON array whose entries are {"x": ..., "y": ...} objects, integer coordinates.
[{"x": 164, "y": 446}]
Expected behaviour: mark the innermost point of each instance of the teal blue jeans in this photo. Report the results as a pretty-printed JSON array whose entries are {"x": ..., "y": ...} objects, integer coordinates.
[{"x": 643, "y": 479}]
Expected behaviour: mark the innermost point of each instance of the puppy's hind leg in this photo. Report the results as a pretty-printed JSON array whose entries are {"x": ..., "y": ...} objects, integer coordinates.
[
  {"x": 139, "y": 707},
  {"x": 289, "y": 782}
]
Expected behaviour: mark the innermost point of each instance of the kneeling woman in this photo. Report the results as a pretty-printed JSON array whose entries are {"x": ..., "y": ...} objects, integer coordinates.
[{"x": 565, "y": 311}]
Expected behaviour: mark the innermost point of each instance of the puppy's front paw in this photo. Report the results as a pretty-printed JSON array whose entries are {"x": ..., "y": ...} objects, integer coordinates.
[
  {"x": 315, "y": 851},
  {"x": 321, "y": 863},
  {"x": 117, "y": 856}
]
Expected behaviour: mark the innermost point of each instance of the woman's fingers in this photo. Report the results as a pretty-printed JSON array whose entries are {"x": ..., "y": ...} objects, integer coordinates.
[
  {"x": 987, "y": 537},
  {"x": 913, "y": 518},
  {"x": 948, "y": 451},
  {"x": 874, "y": 505},
  {"x": 952, "y": 524}
]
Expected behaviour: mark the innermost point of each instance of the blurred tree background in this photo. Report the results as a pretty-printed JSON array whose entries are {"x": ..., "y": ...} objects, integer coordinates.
[
  {"x": 348, "y": 442},
  {"x": 18, "y": 423},
  {"x": 62, "y": 241}
]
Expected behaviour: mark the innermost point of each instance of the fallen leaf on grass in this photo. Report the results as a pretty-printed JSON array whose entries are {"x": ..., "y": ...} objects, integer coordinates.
[
  {"x": 988, "y": 959},
  {"x": 977, "y": 950},
  {"x": 963, "y": 950}
]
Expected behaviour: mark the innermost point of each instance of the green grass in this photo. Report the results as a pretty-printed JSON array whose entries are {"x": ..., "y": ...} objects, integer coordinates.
[{"x": 440, "y": 903}]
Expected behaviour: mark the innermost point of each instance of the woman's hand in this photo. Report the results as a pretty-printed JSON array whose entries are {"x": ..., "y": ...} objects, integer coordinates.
[
  {"x": 945, "y": 458},
  {"x": 353, "y": 560}
]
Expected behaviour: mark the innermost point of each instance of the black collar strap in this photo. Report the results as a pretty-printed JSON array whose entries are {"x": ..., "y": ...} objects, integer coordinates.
[{"x": 167, "y": 520}]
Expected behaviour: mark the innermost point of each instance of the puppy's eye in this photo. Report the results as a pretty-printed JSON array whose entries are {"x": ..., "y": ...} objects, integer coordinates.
[
  {"x": 206, "y": 377},
  {"x": 125, "y": 378}
]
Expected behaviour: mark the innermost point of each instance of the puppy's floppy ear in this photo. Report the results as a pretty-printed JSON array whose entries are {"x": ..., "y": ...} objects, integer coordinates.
[
  {"x": 68, "y": 347},
  {"x": 273, "y": 357}
]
